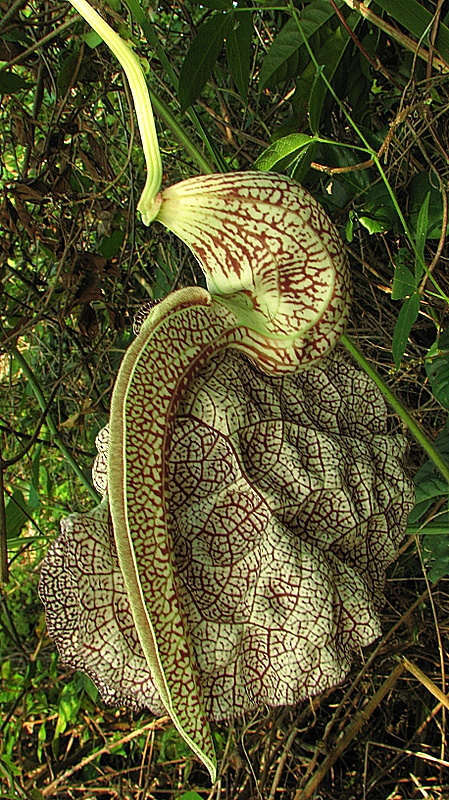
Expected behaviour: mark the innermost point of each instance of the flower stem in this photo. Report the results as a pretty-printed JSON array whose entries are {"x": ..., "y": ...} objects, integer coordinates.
[{"x": 150, "y": 201}]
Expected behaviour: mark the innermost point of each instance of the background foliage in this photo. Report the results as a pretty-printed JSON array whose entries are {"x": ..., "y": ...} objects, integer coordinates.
[{"x": 353, "y": 103}]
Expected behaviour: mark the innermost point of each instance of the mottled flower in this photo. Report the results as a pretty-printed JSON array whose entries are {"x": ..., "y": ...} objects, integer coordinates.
[{"x": 288, "y": 500}]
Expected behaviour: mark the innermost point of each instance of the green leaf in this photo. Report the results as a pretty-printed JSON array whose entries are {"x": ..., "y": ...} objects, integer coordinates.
[
  {"x": 436, "y": 553},
  {"x": 173, "y": 746},
  {"x": 422, "y": 227},
  {"x": 378, "y": 220},
  {"x": 69, "y": 705},
  {"x": 190, "y": 796},
  {"x": 238, "y": 51},
  {"x": 282, "y": 60},
  {"x": 437, "y": 369},
  {"x": 33, "y": 497},
  {"x": 201, "y": 57},
  {"x": 426, "y": 493},
  {"x": 11, "y": 83},
  {"x": 406, "y": 318},
  {"x": 92, "y": 39},
  {"x": 217, "y": 5},
  {"x": 287, "y": 146},
  {"x": 110, "y": 245},
  {"x": 420, "y": 186},
  {"x": 378, "y": 213},
  {"x": 404, "y": 281},
  {"x": 16, "y": 518},
  {"x": 329, "y": 57}
]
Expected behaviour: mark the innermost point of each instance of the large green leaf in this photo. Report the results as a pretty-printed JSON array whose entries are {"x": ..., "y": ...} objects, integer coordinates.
[
  {"x": 282, "y": 59},
  {"x": 406, "y": 318},
  {"x": 202, "y": 56},
  {"x": 11, "y": 83},
  {"x": 426, "y": 492},
  {"x": 238, "y": 51},
  {"x": 311, "y": 89}
]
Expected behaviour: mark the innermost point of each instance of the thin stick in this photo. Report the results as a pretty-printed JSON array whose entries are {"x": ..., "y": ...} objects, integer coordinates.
[
  {"x": 352, "y": 731},
  {"x": 427, "y": 682},
  {"x": 50, "y": 422},
  {"x": 108, "y": 748},
  {"x": 395, "y": 34}
]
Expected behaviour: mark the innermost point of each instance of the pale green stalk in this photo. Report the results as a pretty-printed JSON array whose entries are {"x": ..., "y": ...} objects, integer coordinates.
[{"x": 150, "y": 199}]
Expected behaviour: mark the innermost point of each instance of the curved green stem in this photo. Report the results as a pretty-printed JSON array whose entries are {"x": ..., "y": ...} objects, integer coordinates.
[
  {"x": 27, "y": 371},
  {"x": 396, "y": 404},
  {"x": 142, "y": 20},
  {"x": 150, "y": 201}
]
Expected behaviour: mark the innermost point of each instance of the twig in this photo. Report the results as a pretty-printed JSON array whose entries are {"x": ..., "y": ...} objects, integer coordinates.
[
  {"x": 352, "y": 731},
  {"x": 427, "y": 682},
  {"x": 399, "y": 37},
  {"x": 4, "y": 574},
  {"x": 32, "y": 49},
  {"x": 282, "y": 760},
  {"x": 108, "y": 748}
]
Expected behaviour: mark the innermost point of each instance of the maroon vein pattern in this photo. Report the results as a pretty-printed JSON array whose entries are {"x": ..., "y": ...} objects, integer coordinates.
[
  {"x": 287, "y": 502},
  {"x": 271, "y": 255}
]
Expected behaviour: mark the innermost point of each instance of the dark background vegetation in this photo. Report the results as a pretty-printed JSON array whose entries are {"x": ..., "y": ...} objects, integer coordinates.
[{"x": 75, "y": 265}]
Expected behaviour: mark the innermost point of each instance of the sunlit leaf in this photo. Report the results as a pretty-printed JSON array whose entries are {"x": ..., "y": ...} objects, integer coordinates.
[
  {"x": 92, "y": 39},
  {"x": 281, "y": 148}
]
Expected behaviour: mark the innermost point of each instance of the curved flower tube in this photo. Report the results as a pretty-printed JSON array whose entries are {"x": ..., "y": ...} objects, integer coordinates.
[{"x": 149, "y": 201}]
